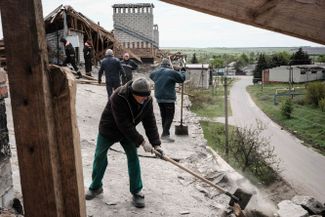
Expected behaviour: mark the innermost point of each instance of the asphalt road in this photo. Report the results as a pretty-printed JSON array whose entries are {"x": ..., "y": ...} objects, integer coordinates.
[{"x": 302, "y": 167}]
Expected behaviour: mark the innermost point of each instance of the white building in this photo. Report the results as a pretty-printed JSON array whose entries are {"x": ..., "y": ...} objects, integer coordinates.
[
  {"x": 295, "y": 74},
  {"x": 198, "y": 74}
]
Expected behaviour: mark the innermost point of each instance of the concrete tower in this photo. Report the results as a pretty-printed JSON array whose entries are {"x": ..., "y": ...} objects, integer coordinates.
[{"x": 135, "y": 29}]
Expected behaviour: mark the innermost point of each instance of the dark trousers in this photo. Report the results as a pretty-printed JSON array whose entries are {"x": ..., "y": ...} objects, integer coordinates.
[
  {"x": 167, "y": 111},
  {"x": 88, "y": 66},
  {"x": 110, "y": 89},
  {"x": 72, "y": 61},
  {"x": 126, "y": 78},
  {"x": 101, "y": 161}
]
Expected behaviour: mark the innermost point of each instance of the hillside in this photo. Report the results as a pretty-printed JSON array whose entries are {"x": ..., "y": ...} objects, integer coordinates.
[{"x": 224, "y": 50}]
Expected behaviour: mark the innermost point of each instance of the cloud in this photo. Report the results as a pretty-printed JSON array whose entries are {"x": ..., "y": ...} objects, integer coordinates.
[{"x": 181, "y": 27}]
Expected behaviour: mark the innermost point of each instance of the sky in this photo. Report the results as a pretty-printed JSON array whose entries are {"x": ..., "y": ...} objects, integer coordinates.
[{"x": 180, "y": 27}]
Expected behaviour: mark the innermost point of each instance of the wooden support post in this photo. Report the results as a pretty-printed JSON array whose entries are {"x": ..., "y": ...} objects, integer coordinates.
[
  {"x": 63, "y": 89},
  {"x": 51, "y": 178}
]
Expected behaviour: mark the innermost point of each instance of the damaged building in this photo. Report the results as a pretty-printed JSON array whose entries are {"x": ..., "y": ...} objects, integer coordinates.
[{"x": 66, "y": 22}]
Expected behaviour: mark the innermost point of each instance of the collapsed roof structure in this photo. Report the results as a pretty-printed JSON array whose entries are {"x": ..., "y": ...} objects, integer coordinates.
[{"x": 66, "y": 19}]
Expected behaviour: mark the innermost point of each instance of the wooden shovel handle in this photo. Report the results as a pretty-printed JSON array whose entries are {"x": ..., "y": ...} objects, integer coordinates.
[{"x": 166, "y": 158}]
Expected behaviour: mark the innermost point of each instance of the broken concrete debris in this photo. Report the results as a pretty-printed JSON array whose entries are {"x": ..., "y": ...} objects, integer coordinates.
[
  {"x": 288, "y": 208},
  {"x": 310, "y": 204},
  {"x": 300, "y": 206}
]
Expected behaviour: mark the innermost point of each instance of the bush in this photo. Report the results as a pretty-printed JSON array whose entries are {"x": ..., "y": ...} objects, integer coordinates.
[
  {"x": 299, "y": 101},
  {"x": 321, "y": 104},
  {"x": 253, "y": 153},
  {"x": 315, "y": 92},
  {"x": 287, "y": 108}
]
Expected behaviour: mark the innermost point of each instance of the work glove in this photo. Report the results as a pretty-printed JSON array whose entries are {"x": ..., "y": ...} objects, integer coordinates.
[
  {"x": 146, "y": 146},
  {"x": 161, "y": 153}
]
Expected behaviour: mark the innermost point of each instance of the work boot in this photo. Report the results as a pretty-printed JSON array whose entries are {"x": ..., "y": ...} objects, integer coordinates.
[
  {"x": 167, "y": 139},
  {"x": 89, "y": 74},
  {"x": 91, "y": 194},
  {"x": 79, "y": 75},
  {"x": 138, "y": 200}
]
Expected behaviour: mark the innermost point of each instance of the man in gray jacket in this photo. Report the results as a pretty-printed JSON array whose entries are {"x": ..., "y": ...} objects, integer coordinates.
[{"x": 165, "y": 79}]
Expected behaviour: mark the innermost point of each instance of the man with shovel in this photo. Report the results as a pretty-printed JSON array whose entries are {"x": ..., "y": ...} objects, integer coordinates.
[
  {"x": 129, "y": 105},
  {"x": 165, "y": 78}
]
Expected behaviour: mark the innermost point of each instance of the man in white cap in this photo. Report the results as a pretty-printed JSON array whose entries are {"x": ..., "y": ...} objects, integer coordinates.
[
  {"x": 129, "y": 105},
  {"x": 112, "y": 68}
]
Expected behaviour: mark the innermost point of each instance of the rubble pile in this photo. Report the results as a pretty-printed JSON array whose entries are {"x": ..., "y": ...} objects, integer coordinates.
[{"x": 301, "y": 206}]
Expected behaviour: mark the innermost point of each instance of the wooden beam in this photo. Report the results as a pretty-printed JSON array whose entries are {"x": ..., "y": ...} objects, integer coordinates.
[
  {"x": 38, "y": 138},
  {"x": 300, "y": 18},
  {"x": 64, "y": 89}
]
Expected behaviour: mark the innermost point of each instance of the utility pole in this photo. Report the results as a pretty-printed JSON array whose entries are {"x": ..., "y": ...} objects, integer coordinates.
[{"x": 225, "y": 84}]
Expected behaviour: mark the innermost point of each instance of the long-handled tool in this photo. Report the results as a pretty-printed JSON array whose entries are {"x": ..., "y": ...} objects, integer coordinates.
[
  {"x": 181, "y": 129},
  {"x": 239, "y": 197}
]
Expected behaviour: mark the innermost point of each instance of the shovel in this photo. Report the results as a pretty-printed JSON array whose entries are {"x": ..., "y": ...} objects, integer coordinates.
[
  {"x": 181, "y": 129},
  {"x": 239, "y": 197}
]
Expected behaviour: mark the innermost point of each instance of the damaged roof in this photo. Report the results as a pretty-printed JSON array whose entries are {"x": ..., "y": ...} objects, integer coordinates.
[{"x": 101, "y": 38}]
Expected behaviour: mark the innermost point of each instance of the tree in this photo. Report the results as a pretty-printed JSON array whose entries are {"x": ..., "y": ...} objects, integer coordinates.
[
  {"x": 194, "y": 59},
  {"x": 260, "y": 66},
  {"x": 321, "y": 59},
  {"x": 252, "y": 57},
  {"x": 252, "y": 152},
  {"x": 217, "y": 62},
  {"x": 300, "y": 58},
  {"x": 287, "y": 108},
  {"x": 279, "y": 59},
  {"x": 242, "y": 61}
]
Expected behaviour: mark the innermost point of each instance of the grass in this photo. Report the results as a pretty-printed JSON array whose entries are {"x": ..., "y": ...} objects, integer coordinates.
[
  {"x": 307, "y": 122},
  {"x": 209, "y": 102},
  {"x": 214, "y": 134},
  {"x": 220, "y": 50}
]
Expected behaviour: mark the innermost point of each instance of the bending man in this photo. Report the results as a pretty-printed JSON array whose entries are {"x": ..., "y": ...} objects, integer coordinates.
[{"x": 129, "y": 105}]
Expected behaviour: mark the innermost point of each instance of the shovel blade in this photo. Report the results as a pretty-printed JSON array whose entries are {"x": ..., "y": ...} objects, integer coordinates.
[
  {"x": 181, "y": 130},
  {"x": 243, "y": 196}
]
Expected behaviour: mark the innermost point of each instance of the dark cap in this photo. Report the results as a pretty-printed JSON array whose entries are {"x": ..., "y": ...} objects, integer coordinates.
[
  {"x": 63, "y": 40},
  {"x": 165, "y": 63},
  {"x": 140, "y": 87}
]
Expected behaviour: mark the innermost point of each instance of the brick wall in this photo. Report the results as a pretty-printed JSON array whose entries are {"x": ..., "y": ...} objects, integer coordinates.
[
  {"x": 135, "y": 29},
  {"x": 139, "y": 22}
]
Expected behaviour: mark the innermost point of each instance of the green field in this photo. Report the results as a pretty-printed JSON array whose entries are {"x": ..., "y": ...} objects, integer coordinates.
[
  {"x": 208, "y": 51},
  {"x": 209, "y": 103},
  {"x": 307, "y": 122}
]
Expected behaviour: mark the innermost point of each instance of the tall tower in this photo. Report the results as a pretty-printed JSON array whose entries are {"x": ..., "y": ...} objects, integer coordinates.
[{"x": 135, "y": 29}]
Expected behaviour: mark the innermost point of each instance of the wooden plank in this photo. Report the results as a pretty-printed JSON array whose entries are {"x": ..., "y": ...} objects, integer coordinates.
[
  {"x": 300, "y": 18},
  {"x": 64, "y": 90},
  {"x": 37, "y": 135},
  {"x": 32, "y": 115}
]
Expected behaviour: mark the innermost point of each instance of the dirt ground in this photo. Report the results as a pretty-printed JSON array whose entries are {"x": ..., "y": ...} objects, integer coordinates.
[{"x": 168, "y": 190}]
